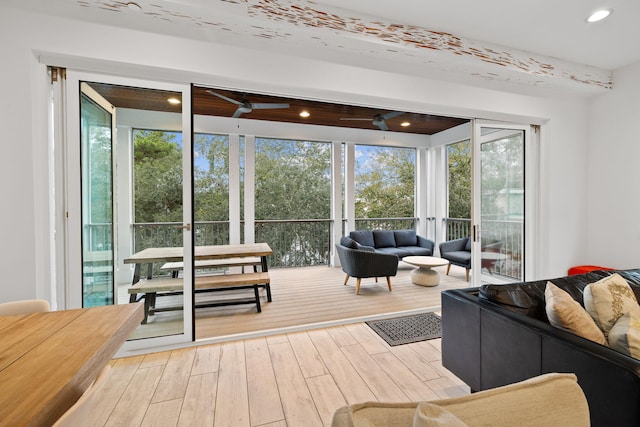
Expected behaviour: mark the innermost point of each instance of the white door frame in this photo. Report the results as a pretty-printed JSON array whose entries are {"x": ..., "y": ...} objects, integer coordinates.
[
  {"x": 73, "y": 255},
  {"x": 531, "y": 214}
]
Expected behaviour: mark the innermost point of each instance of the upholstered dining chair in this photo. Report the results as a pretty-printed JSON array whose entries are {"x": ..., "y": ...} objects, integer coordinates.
[
  {"x": 79, "y": 413},
  {"x": 15, "y": 308}
]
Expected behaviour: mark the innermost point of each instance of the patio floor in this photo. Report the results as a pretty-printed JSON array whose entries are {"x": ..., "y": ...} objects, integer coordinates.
[{"x": 307, "y": 298}]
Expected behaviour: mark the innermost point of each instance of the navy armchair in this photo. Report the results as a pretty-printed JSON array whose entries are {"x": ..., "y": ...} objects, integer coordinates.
[{"x": 364, "y": 262}]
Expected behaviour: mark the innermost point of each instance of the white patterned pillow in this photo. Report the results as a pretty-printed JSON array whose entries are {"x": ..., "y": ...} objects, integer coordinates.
[
  {"x": 608, "y": 299},
  {"x": 625, "y": 335},
  {"x": 566, "y": 313}
]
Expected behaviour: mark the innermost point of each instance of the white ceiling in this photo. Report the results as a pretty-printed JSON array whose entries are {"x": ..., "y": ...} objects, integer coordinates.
[
  {"x": 554, "y": 28},
  {"x": 541, "y": 43}
]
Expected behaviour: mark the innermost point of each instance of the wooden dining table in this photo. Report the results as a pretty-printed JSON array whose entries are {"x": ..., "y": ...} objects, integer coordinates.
[{"x": 48, "y": 360}]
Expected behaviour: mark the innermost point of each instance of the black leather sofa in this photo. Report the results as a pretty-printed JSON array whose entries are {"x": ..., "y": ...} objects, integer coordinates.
[
  {"x": 499, "y": 334},
  {"x": 401, "y": 243}
]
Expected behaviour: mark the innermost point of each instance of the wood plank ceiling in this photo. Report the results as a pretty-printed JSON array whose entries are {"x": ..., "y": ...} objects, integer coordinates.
[{"x": 321, "y": 113}]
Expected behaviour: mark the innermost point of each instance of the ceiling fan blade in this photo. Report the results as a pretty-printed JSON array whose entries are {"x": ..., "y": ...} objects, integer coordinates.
[
  {"x": 240, "y": 111},
  {"x": 392, "y": 114},
  {"x": 233, "y": 101},
  {"x": 260, "y": 106},
  {"x": 382, "y": 125}
]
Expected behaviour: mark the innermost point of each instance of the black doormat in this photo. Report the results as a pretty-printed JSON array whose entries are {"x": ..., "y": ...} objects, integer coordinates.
[{"x": 408, "y": 329}]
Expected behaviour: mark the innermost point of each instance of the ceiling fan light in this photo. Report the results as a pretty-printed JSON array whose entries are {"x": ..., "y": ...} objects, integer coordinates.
[{"x": 599, "y": 15}]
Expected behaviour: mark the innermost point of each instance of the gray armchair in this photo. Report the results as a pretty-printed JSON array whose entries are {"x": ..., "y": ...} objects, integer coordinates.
[
  {"x": 457, "y": 252},
  {"x": 363, "y": 263}
]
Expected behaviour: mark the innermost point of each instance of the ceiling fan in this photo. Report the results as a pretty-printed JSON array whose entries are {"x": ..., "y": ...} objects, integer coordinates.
[
  {"x": 245, "y": 106},
  {"x": 379, "y": 120}
]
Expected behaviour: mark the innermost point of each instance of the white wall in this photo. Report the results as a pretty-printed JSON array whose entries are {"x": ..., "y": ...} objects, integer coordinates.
[
  {"x": 24, "y": 257},
  {"x": 613, "y": 178}
]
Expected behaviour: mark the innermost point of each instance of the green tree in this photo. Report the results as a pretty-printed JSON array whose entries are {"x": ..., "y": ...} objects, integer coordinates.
[
  {"x": 459, "y": 175},
  {"x": 293, "y": 179},
  {"x": 211, "y": 177},
  {"x": 157, "y": 176},
  {"x": 385, "y": 183},
  {"x": 502, "y": 185}
]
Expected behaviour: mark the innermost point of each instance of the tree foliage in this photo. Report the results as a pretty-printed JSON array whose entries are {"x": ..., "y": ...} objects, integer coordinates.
[
  {"x": 385, "y": 183},
  {"x": 211, "y": 177},
  {"x": 502, "y": 185},
  {"x": 459, "y": 175},
  {"x": 293, "y": 179},
  {"x": 157, "y": 176}
]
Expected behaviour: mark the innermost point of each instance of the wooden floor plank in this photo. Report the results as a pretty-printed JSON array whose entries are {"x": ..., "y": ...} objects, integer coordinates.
[
  {"x": 415, "y": 361},
  {"x": 232, "y": 398},
  {"x": 264, "y": 398},
  {"x": 409, "y": 383},
  {"x": 174, "y": 380},
  {"x": 297, "y": 402},
  {"x": 326, "y": 395},
  {"x": 163, "y": 414},
  {"x": 352, "y": 386},
  {"x": 136, "y": 398},
  {"x": 341, "y": 336},
  {"x": 198, "y": 407},
  {"x": 207, "y": 359},
  {"x": 374, "y": 376},
  {"x": 108, "y": 395},
  {"x": 368, "y": 339},
  {"x": 308, "y": 357}
]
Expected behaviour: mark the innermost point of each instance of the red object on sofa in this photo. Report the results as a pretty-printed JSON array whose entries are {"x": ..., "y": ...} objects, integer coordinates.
[{"x": 582, "y": 269}]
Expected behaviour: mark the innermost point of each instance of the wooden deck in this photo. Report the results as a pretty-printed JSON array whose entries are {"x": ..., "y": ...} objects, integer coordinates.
[{"x": 311, "y": 297}]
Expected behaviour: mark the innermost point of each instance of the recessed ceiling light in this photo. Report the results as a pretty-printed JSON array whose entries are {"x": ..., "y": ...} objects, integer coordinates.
[
  {"x": 134, "y": 7},
  {"x": 304, "y": 114},
  {"x": 405, "y": 124},
  {"x": 599, "y": 15},
  {"x": 174, "y": 101}
]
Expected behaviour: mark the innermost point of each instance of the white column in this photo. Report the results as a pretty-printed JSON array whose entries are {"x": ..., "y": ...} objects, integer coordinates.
[
  {"x": 234, "y": 189},
  {"x": 249, "y": 188},
  {"x": 349, "y": 185},
  {"x": 336, "y": 200},
  {"x": 423, "y": 190},
  {"x": 440, "y": 201}
]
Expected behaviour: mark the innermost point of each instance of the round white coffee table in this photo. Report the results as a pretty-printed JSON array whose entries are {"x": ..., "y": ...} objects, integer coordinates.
[{"x": 424, "y": 275}]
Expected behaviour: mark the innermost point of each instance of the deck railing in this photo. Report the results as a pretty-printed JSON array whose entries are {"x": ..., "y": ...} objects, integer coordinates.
[
  {"x": 295, "y": 243},
  {"x": 307, "y": 242}
]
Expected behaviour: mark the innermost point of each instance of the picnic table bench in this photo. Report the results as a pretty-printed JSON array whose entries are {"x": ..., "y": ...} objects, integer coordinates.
[{"x": 220, "y": 282}]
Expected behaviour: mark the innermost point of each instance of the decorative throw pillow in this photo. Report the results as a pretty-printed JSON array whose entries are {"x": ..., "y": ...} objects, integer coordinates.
[
  {"x": 624, "y": 336},
  {"x": 566, "y": 313},
  {"x": 432, "y": 415},
  {"x": 608, "y": 299}
]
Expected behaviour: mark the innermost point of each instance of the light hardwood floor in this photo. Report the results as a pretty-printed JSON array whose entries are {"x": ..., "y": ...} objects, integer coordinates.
[{"x": 294, "y": 379}]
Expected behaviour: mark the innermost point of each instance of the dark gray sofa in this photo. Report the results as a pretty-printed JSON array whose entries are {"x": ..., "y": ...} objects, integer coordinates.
[
  {"x": 499, "y": 334},
  {"x": 401, "y": 243}
]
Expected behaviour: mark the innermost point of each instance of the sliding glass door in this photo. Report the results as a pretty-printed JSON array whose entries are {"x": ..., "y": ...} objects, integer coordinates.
[
  {"x": 129, "y": 213},
  {"x": 499, "y": 209},
  {"x": 97, "y": 125}
]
